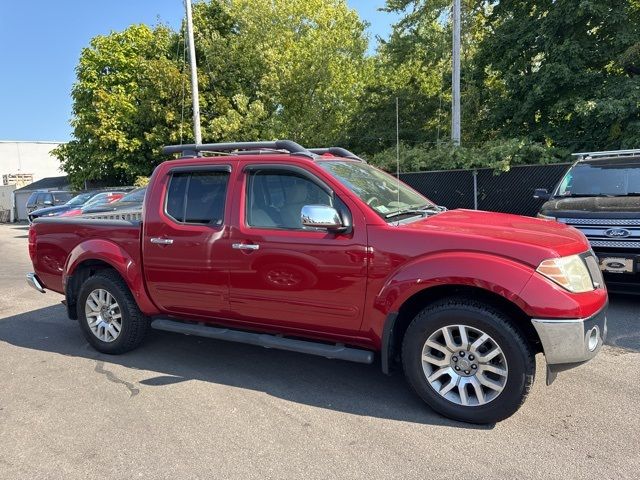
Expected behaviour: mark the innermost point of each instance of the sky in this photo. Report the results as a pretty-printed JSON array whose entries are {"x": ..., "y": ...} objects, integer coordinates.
[{"x": 41, "y": 40}]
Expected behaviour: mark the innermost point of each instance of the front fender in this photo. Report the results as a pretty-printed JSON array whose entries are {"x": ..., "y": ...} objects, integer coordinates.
[
  {"x": 117, "y": 257},
  {"x": 500, "y": 275}
]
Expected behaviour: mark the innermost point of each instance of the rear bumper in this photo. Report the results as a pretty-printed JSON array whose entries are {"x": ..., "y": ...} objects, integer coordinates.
[
  {"x": 34, "y": 282},
  {"x": 568, "y": 343}
]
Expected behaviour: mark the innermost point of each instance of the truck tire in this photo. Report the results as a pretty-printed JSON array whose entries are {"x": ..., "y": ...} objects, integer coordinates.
[
  {"x": 109, "y": 317},
  {"x": 467, "y": 361}
]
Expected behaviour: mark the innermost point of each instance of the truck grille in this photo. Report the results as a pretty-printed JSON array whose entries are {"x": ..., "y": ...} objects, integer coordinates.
[
  {"x": 597, "y": 221},
  {"x": 608, "y": 233},
  {"x": 614, "y": 244}
]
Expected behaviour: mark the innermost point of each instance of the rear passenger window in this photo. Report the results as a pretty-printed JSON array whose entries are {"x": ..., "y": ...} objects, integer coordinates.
[{"x": 197, "y": 197}]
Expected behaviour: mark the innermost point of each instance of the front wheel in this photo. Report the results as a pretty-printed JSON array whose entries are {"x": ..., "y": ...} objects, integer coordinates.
[
  {"x": 467, "y": 361},
  {"x": 108, "y": 315}
]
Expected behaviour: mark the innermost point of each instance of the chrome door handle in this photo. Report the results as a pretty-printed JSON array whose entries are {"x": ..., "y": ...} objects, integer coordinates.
[
  {"x": 245, "y": 246},
  {"x": 162, "y": 241}
]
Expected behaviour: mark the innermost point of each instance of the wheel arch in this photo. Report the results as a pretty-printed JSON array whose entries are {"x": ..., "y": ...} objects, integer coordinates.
[
  {"x": 95, "y": 255},
  {"x": 398, "y": 322},
  {"x": 77, "y": 277}
]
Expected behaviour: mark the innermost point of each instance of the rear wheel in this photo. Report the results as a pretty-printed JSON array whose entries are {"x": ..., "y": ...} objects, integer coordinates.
[
  {"x": 467, "y": 361},
  {"x": 108, "y": 314}
]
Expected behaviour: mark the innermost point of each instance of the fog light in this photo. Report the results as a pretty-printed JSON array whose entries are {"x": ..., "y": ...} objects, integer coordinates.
[{"x": 594, "y": 335}]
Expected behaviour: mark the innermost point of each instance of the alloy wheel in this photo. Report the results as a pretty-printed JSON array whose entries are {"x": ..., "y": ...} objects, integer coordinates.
[
  {"x": 104, "y": 316},
  {"x": 464, "y": 365}
]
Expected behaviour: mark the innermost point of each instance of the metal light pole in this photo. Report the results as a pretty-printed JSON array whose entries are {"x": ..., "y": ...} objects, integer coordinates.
[
  {"x": 197, "y": 135},
  {"x": 455, "y": 77}
]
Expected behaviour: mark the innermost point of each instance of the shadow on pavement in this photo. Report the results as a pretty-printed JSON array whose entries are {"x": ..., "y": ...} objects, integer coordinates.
[
  {"x": 623, "y": 322},
  {"x": 335, "y": 385}
]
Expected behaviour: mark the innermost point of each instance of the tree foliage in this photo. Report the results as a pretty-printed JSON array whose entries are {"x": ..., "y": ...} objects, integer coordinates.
[
  {"x": 124, "y": 105},
  {"x": 267, "y": 69},
  {"x": 539, "y": 79},
  {"x": 499, "y": 155},
  {"x": 560, "y": 72}
]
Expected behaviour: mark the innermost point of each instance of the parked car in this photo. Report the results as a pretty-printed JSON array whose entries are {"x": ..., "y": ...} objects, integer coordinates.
[
  {"x": 101, "y": 198},
  {"x": 130, "y": 201},
  {"x": 43, "y": 199},
  {"x": 600, "y": 196},
  {"x": 316, "y": 251},
  {"x": 76, "y": 202}
]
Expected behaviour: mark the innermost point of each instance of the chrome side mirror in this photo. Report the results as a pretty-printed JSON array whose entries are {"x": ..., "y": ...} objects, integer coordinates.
[{"x": 321, "y": 216}]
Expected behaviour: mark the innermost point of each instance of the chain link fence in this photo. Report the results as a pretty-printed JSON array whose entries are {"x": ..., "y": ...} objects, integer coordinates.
[{"x": 485, "y": 189}]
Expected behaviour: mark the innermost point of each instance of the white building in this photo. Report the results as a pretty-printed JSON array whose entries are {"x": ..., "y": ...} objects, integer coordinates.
[
  {"x": 21, "y": 159},
  {"x": 22, "y": 163}
]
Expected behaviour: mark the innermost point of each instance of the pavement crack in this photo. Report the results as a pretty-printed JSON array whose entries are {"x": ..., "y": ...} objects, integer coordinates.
[{"x": 133, "y": 391}]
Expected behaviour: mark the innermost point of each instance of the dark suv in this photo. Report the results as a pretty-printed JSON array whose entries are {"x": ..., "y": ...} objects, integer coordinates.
[
  {"x": 600, "y": 196},
  {"x": 43, "y": 199}
]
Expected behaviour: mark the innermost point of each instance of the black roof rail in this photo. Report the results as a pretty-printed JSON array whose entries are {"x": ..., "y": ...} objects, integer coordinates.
[
  {"x": 288, "y": 146},
  {"x": 336, "y": 151},
  {"x": 606, "y": 154}
]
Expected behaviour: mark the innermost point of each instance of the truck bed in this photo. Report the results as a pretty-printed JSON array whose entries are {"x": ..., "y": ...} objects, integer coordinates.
[{"x": 57, "y": 238}]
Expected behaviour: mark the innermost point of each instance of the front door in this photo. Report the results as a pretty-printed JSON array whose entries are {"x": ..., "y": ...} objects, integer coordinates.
[
  {"x": 285, "y": 275},
  {"x": 185, "y": 243}
]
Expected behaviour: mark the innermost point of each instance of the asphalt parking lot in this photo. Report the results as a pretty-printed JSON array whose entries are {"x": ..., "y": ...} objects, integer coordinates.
[{"x": 184, "y": 407}]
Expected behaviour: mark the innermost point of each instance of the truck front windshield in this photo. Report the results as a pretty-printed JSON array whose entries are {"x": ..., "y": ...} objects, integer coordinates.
[
  {"x": 382, "y": 192},
  {"x": 601, "y": 178}
]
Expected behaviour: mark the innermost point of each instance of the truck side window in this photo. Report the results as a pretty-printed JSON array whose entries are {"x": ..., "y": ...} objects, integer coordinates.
[
  {"x": 197, "y": 197},
  {"x": 275, "y": 199}
]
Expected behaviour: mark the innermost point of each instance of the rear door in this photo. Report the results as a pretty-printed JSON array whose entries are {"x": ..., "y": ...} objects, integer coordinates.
[{"x": 185, "y": 242}]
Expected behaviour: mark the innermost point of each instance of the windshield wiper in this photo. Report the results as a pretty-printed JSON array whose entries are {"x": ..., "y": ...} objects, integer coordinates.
[
  {"x": 426, "y": 210},
  {"x": 585, "y": 195}
]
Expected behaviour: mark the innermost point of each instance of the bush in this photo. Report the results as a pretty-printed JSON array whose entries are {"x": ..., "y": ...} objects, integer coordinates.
[{"x": 499, "y": 155}]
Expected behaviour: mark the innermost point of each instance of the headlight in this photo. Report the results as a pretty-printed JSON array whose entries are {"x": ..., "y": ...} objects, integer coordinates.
[
  {"x": 568, "y": 272},
  {"x": 545, "y": 217}
]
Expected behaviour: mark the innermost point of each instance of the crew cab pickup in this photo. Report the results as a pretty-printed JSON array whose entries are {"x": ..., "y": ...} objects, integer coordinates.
[{"x": 315, "y": 251}]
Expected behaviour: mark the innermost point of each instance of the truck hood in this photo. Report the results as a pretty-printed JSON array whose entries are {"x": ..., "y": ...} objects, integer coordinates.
[
  {"x": 593, "y": 207},
  {"x": 529, "y": 240}
]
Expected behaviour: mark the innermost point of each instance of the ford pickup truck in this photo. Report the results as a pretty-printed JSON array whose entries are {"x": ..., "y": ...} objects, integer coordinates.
[
  {"x": 316, "y": 251},
  {"x": 600, "y": 196}
]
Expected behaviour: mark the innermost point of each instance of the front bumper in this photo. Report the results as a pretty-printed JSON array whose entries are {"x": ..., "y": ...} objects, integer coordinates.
[{"x": 569, "y": 343}]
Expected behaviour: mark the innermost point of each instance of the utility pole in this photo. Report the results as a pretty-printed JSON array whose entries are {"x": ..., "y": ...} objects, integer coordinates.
[
  {"x": 455, "y": 77},
  {"x": 197, "y": 135}
]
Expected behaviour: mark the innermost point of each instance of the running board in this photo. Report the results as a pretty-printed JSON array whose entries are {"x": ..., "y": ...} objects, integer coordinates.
[{"x": 336, "y": 351}]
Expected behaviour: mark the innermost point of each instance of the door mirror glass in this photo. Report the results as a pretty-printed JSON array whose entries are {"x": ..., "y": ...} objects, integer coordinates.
[
  {"x": 541, "y": 194},
  {"x": 48, "y": 202},
  {"x": 321, "y": 216}
]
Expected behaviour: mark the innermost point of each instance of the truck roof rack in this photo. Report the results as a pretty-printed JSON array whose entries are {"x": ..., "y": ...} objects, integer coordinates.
[
  {"x": 607, "y": 154},
  {"x": 337, "y": 152},
  {"x": 257, "y": 148},
  {"x": 286, "y": 146}
]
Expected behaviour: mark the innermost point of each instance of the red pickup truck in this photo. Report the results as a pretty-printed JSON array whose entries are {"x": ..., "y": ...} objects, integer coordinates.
[{"x": 315, "y": 251}]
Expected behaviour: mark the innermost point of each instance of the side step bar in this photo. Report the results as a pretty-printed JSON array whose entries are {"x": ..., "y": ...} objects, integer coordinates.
[{"x": 336, "y": 351}]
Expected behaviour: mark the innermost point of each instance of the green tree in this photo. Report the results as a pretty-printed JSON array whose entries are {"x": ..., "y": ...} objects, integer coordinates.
[
  {"x": 287, "y": 69},
  {"x": 267, "y": 69},
  {"x": 560, "y": 72},
  {"x": 124, "y": 105},
  {"x": 414, "y": 65}
]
